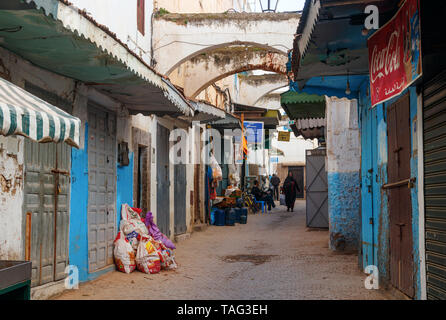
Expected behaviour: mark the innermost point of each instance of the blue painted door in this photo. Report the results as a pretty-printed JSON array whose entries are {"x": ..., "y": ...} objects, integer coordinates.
[{"x": 368, "y": 141}]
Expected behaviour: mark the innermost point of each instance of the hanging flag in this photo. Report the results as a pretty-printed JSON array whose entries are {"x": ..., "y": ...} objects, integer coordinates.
[{"x": 244, "y": 141}]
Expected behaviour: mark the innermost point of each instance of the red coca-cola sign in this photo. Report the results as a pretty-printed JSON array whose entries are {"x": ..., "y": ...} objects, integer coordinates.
[{"x": 395, "y": 54}]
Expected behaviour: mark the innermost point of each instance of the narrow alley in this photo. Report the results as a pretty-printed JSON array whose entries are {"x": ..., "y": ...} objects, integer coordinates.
[
  {"x": 272, "y": 257},
  {"x": 222, "y": 150}
]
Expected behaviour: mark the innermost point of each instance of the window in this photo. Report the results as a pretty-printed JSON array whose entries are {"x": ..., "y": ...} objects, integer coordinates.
[{"x": 141, "y": 16}]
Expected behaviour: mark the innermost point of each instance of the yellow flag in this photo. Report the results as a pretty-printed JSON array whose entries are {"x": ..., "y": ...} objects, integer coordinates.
[{"x": 244, "y": 141}]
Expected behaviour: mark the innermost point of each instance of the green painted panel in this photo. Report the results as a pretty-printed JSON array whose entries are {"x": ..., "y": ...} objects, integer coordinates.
[{"x": 44, "y": 41}]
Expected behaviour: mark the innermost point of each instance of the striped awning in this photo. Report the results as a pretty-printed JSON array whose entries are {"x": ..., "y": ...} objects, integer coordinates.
[{"x": 22, "y": 113}]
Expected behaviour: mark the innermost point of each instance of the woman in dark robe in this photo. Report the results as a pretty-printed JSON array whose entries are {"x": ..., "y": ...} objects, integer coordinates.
[{"x": 290, "y": 188}]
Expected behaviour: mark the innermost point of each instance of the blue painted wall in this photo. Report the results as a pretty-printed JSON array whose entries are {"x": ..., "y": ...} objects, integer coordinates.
[
  {"x": 375, "y": 154},
  {"x": 78, "y": 232},
  {"x": 124, "y": 188},
  {"x": 344, "y": 214},
  {"x": 78, "y": 237}
]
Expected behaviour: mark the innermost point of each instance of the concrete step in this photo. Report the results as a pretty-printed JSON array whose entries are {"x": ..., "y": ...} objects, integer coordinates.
[
  {"x": 200, "y": 227},
  {"x": 182, "y": 237}
]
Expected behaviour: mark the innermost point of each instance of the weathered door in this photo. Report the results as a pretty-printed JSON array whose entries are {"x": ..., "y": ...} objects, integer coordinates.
[
  {"x": 101, "y": 187},
  {"x": 434, "y": 122},
  {"x": 400, "y": 205},
  {"x": 298, "y": 174},
  {"x": 180, "y": 198},
  {"x": 163, "y": 180},
  {"x": 47, "y": 201},
  {"x": 180, "y": 191},
  {"x": 47, "y": 189},
  {"x": 317, "y": 189}
]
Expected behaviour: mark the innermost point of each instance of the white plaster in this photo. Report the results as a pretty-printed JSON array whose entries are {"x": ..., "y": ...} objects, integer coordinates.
[
  {"x": 203, "y": 72},
  {"x": 294, "y": 151},
  {"x": 251, "y": 91},
  {"x": 122, "y": 20},
  {"x": 343, "y": 138},
  {"x": 11, "y": 197},
  {"x": 180, "y": 42}
]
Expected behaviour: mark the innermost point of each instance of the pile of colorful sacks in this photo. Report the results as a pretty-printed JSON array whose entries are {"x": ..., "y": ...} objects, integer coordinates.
[{"x": 141, "y": 245}]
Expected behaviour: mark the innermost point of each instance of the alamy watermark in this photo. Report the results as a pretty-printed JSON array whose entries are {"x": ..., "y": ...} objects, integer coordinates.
[
  {"x": 225, "y": 147},
  {"x": 72, "y": 280},
  {"x": 372, "y": 281},
  {"x": 372, "y": 20}
]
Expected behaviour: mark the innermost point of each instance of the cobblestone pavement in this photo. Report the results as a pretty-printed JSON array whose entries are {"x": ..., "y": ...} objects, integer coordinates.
[{"x": 274, "y": 256}]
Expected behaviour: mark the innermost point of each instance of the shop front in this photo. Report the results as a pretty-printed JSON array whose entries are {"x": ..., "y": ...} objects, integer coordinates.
[{"x": 400, "y": 95}]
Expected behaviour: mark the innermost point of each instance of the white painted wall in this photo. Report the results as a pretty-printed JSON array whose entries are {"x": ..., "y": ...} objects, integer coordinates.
[
  {"x": 180, "y": 42},
  {"x": 11, "y": 197},
  {"x": 295, "y": 150},
  {"x": 151, "y": 124},
  {"x": 121, "y": 18},
  {"x": 343, "y": 137}
]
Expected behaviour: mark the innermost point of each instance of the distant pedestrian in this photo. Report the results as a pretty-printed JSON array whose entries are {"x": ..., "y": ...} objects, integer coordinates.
[
  {"x": 275, "y": 181},
  {"x": 291, "y": 188}
]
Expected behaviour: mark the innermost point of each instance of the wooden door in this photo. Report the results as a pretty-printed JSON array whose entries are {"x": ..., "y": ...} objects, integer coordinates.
[
  {"x": 102, "y": 157},
  {"x": 400, "y": 205},
  {"x": 163, "y": 180}
]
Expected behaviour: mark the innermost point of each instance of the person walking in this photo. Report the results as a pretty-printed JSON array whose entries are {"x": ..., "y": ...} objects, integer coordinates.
[
  {"x": 290, "y": 188},
  {"x": 275, "y": 181}
]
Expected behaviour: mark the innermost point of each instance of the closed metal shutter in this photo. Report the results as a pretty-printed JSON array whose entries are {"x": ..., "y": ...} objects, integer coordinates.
[{"x": 434, "y": 121}]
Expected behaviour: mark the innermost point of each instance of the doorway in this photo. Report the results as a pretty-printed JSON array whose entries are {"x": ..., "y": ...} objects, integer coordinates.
[
  {"x": 316, "y": 189},
  {"x": 180, "y": 190},
  {"x": 298, "y": 175},
  {"x": 399, "y": 195},
  {"x": 102, "y": 158},
  {"x": 163, "y": 180},
  {"x": 46, "y": 206}
]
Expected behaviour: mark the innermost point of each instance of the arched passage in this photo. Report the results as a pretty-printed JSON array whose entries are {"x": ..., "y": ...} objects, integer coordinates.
[
  {"x": 178, "y": 37},
  {"x": 254, "y": 87},
  {"x": 206, "y": 68}
]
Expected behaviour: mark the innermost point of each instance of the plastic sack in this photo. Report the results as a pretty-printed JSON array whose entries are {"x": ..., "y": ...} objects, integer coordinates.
[
  {"x": 168, "y": 261},
  {"x": 216, "y": 169},
  {"x": 132, "y": 238},
  {"x": 126, "y": 227},
  {"x": 124, "y": 255},
  {"x": 282, "y": 200},
  {"x": 155, "y": 232},
  {"x": 130, "y": 216},
  {"x": 166, "y": 256},
  {"x": 147, "y": 258},
  {"x": 234, "y": 176}
]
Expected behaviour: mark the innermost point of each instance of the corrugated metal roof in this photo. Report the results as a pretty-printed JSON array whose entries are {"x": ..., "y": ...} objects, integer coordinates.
[
  {"x": 293, "y": 97},
  {"x": 67, "y": 41}
]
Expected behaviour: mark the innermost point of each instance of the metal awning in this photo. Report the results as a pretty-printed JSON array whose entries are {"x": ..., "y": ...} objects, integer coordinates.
[
  {"x": 22, "y": 113},
  {"x": 56, "y": 36},
  {"x": 204, "y": 112},
  {"x": 229, "y": 122},
  {"x": 302, "y": 105},
  {"x": 303, "y": 124}
]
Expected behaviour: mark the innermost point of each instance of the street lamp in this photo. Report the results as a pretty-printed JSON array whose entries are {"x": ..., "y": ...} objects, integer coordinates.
[{"x": 268, "y": 5}]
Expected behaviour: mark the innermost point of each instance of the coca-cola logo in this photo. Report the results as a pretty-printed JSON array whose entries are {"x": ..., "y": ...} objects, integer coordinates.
[{"x": 387, "y": 60}]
